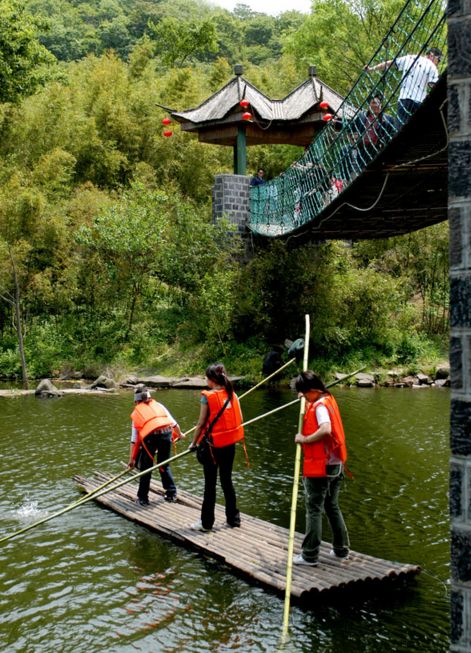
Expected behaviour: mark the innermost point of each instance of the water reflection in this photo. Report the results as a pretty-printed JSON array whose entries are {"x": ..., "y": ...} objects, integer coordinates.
[{"x": 92, "y": 581}]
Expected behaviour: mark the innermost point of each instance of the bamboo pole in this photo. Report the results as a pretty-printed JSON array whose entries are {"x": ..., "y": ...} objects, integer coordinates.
[
  {"x": 291, "y": 360},
  {"x": 89, "y": 498},
  {"x": 115, "y": 478},
  {"x": 103, "y": 489},
  {"x": 100, "y": 487},
  {"x": 294, "y": 498},
  {"x": 295, "y": 401},
  {"x": 95, "y": 494}
]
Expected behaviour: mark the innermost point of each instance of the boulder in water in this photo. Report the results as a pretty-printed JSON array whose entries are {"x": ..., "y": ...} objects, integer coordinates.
[{"x": 46, "y": 389}]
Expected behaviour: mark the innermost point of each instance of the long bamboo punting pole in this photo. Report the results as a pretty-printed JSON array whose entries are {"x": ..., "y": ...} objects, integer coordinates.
[
  {"x": 90, "y": 497},
  {"x": 100, "y": 487},
  {"x": 115, "y": 478},
  {"x": 291, "y": 360},
  {"x": 250, "y": 421},
  {"x": 94, "y": 494},
  {"x": 294, "y": 498},
  {"x": 104, "y": 488},
  {"x": 122, "y": 473}
]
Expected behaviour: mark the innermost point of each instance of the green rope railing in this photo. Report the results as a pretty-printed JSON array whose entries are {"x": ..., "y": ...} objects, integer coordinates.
[{"x": 349, "y": 142}]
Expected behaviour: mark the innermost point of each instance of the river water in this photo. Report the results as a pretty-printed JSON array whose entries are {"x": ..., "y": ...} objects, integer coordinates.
[{"x": 91, "y": 581}]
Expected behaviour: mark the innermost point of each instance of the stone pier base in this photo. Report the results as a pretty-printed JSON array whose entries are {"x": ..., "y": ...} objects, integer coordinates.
[
  {"x": 231, "y": 201},
  {"x": 459, "y": 167}
]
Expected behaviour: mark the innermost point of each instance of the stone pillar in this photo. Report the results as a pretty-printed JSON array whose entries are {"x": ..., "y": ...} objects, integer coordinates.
[
  {"x": 231, "y": 200},
  {"x": 459, "y": 166}
]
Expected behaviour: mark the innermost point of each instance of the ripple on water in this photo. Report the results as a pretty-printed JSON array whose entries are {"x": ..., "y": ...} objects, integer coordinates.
[{"x": 91, "y": 580}]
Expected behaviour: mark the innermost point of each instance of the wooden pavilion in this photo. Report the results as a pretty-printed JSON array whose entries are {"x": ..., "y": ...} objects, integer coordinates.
[{"x": 294, "y": 120}]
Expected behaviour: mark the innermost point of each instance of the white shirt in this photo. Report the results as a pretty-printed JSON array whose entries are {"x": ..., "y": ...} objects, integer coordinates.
[
  {"x": 323, "y": 417},
  {"x": 417, "y": 74}
]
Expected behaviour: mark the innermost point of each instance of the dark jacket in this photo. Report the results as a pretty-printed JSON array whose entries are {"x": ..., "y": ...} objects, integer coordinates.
[{"x": 374, "y": 130}]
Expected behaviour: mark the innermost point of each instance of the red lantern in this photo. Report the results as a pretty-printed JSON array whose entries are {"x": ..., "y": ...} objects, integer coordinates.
[
  {"x": 167, "y": 133},
  {"x": 247, "y": 116},
  {"x": 327, "y": 117},
  {"x": 324, "y": 105},
  {"x": 166, "y": 121},
  {"x": 244, "y": 104}
]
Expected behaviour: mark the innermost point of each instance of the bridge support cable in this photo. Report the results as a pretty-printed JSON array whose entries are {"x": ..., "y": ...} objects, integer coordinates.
[{"x": 345, "y": 148}]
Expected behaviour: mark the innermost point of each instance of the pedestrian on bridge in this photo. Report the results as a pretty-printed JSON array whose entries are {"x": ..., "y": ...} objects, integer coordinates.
[
  {"x": 374, "y": 128},
  {"x": 419, "y": 74},
  {"x": 259, "y": 178}
]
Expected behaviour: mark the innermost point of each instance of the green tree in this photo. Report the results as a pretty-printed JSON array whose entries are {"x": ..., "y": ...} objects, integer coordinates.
[
  {"x": 420, "y": 260},
  {"x": 340, "y": 36},
  {"x": 12, "y": 269},
  {"x": 178, "y": 42},
  {"x": 130, "y": 240},
  {"x": 150, "y": 250},
  {"x": 23, "y": 61},
  {"x": 30, "y": 245}
]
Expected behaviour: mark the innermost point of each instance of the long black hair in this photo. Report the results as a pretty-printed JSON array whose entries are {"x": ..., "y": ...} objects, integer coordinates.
[
  {"x": 217, "y": 373},
  {"x": 309, "y": 381}
]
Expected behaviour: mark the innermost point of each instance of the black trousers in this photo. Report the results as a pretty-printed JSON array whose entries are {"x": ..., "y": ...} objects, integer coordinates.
[
  {"x": 405, "y": 108},
  {"x": 160, "y": 442},
  {"x": 223, "y": 461}
]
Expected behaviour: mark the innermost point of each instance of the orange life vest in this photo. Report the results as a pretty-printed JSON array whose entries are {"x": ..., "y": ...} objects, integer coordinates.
[
  {"x": 148, "y": 417},
  {"x": 228, "y": 429},
  {"x": 317, "y": 454}
]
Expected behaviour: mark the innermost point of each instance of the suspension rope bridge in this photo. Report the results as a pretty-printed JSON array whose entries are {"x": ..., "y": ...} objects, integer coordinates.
[{"x": 349, "y": 184}]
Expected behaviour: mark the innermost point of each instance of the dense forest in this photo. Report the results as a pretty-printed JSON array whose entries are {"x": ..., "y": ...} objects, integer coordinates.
[{"x": 109, "y": 257}]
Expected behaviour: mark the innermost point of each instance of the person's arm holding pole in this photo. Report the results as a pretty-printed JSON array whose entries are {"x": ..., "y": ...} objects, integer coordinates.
[{"x": 103, "y": 489}]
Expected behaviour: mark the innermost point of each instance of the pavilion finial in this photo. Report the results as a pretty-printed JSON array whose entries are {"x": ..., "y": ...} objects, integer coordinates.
[
  {"x": 238, "y": 69},
  {"x": 312, "y": 71}
]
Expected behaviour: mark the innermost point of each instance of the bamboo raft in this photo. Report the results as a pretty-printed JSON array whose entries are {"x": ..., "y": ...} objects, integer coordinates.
[{"x": 257, "y": 550}]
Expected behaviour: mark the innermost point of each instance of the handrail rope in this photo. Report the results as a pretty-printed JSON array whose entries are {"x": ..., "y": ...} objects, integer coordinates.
[
  {"x": 327, "y": 143},
  {"x": 398, "y": 165}
]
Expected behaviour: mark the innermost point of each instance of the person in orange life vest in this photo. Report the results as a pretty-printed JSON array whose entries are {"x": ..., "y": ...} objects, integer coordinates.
[
  {"x": 324, "y": 453},
  {"x": 152, "y": 428},
  {"x": 220, "y": 402}
]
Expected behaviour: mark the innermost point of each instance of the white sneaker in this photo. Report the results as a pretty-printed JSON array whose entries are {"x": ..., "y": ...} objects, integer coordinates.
[
  {"x": 332, "y": 553},
  {"x": 198, "y": 526},
  {"x": 299, "y": 560}
]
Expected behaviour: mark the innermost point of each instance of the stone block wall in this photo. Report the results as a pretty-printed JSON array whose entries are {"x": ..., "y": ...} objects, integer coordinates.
[
  {"x": 231, "y": 200},
  {"x": 459, "y": 167}
]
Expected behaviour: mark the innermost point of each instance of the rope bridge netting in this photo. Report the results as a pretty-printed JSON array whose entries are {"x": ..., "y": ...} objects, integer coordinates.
[{"x": 352, "y": 139}]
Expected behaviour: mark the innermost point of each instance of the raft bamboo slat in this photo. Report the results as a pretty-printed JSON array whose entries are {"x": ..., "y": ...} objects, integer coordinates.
[{"x": 257, "y": 550}]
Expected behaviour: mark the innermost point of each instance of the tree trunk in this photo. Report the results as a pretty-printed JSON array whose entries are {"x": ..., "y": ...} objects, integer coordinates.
[{"x": 19, "y": 326}]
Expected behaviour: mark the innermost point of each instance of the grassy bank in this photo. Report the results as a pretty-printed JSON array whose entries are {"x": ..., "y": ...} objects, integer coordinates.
[{"x": 246, "y": 361}]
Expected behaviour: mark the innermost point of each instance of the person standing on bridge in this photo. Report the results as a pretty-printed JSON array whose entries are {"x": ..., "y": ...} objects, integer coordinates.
[
  {"x": 258, "y": 179},
  {"x": 375, "y": 129},
  {"x": 218, "y": 429},
  {"x": 419, "y": 74},
  {"x": 152, "y": 429},
  {"x": 324, "y": 454}
]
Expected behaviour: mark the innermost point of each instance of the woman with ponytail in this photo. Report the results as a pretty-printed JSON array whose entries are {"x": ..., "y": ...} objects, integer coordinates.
[{"x": 218, "y": 429}]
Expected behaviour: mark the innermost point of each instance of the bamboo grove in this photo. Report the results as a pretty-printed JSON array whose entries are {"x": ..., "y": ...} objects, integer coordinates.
[{"x": 108, "y": 256}]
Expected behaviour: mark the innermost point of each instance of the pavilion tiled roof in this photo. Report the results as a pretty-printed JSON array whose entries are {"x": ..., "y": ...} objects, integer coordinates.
[{"x": 291, "y": 108}]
